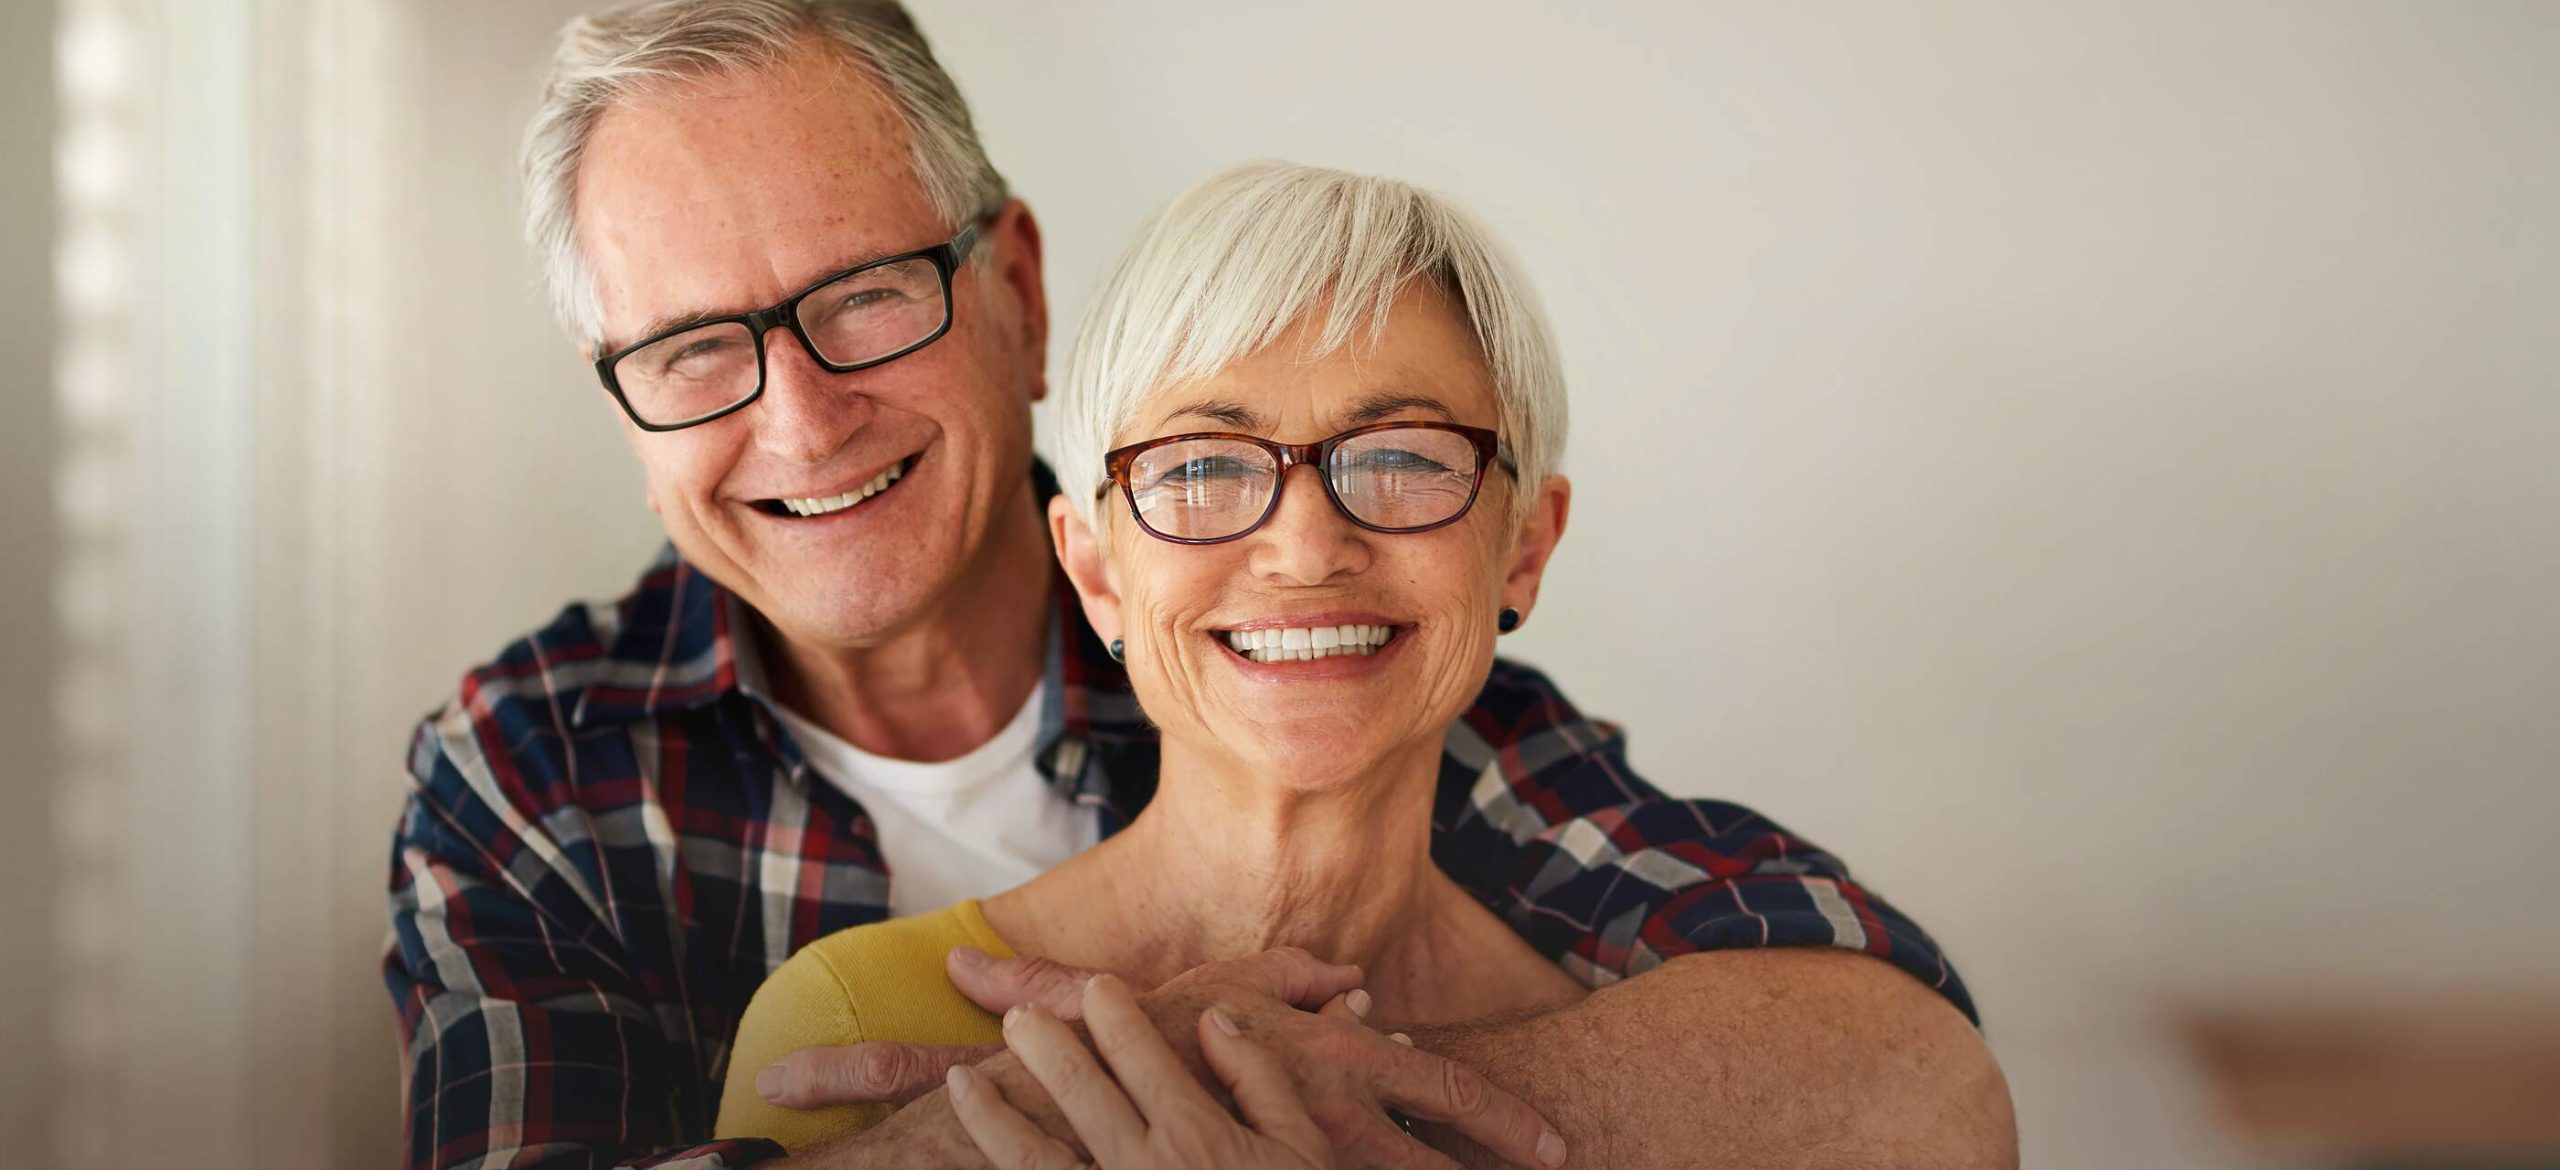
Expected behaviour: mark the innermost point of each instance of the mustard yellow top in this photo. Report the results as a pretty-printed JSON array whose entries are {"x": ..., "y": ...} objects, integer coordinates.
[{"x": 884, "y": 981}]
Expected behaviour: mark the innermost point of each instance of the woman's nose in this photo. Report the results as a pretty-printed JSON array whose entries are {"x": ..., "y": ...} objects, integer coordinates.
[
  {"x": 807, "y": 414},
  {"x": 1308, "y": 541}
]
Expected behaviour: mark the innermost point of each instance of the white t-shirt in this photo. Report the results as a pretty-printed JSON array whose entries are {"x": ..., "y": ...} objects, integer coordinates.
[{"x": 964, "y": 828}]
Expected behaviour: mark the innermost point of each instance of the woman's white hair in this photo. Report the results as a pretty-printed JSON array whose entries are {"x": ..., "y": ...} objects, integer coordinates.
[
  {"x": 606, "y": 57},
  {"x": 1233, "y": 262}
]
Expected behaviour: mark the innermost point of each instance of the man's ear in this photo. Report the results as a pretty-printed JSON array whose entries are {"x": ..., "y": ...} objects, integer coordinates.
[
  {"x": 1017, "y": 257},
  {"x": 1538, "y": 537},
  {"x": 1080, "y": 553}
]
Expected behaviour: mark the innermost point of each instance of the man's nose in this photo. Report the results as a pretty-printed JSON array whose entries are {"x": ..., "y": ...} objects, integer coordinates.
[
  {"x": 807, "y": 414},
  {"x": 1308, "y": 541}
]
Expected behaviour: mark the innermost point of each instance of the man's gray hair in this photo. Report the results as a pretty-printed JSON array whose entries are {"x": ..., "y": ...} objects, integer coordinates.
[
  {"x": 624, "y": 51},
  {"x": 1225, "y": 269}
]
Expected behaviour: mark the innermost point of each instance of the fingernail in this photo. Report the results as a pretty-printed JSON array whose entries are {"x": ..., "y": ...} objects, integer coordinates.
[
  {"x": 1096, "y": 981},
  {"x": 1358, "y": 1001},
  {"x": 1401, "y": 1038},
  {"x": 971, "y": 957},
  {"x": 1225, "y": 1023},
  {"x": 957, "y": 1079},
  {"x": 769, "y": 1082},
  {"x": 1550, "y": 1150},
  {"x": 1012, "y": 1014}
]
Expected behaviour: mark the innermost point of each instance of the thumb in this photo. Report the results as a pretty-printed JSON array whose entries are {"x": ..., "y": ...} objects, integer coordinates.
[
  {"x": 1296, "y": 977},
  {"x": 860, "y": 1074},
  {"x": 1001, "y": 985}
]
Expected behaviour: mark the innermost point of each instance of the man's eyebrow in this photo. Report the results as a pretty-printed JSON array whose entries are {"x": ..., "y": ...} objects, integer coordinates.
[
  {"x": 666, "y": 325},
  {"x": 1379, "y": 406},
  {"x": 681, "y": 321},
  {"x": 1234, "y": 414}
]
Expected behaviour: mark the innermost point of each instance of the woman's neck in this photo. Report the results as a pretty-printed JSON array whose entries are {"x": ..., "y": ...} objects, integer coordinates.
[{"x": 1222, "y": 865}]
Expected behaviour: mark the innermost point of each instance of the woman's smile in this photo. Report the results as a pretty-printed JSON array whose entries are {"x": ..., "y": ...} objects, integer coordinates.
[{"x": 1332, "y": 644}]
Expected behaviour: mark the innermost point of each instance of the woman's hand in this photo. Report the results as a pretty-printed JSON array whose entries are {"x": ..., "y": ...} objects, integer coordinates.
[{"x": 1146, "y": 1112}]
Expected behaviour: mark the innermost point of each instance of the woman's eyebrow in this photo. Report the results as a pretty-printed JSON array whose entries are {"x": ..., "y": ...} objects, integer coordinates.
[
  {"x": 1234, "y": 414},
  {"x": 1379, "y": 406}
]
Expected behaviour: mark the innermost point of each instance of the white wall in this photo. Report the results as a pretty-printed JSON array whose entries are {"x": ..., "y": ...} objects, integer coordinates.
[{"x": 2088, "y": 465}]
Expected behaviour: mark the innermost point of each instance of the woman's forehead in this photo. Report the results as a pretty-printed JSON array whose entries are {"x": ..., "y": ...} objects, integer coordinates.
[{"x": 1422, "y": 362}]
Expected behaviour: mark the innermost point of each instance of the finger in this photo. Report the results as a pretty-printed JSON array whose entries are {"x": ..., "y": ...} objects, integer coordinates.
[
  {"x": 1008, "y": 1140},
  {"x": 1380, "y": 1144},
  {"x": 1103, "y": 1118},
  {"x": 1001, "y": 985},
  {"x": 1350, "y": 1007},
  {"x": 1263, "y": 1091},
  {"x": 1296, "y": 977},
  {"x": 1436, "y": 1089},
  {"x": 858, "y": 1074},
  {"x": 1157, "y": 1081}
]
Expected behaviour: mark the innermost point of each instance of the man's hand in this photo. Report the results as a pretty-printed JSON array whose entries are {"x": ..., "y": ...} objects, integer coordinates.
[
  {"x": 1148, "y": 1111},
  {"x": 1349, "y": 1076}
]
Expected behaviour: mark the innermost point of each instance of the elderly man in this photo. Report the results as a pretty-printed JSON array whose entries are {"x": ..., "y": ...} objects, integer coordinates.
[{"x": 854, "y": 687}]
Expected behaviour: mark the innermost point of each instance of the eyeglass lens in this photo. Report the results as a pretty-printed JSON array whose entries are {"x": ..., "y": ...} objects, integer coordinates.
[
  {"x": 865, "y": 316},
  {"x": 1207, "y": 489}
]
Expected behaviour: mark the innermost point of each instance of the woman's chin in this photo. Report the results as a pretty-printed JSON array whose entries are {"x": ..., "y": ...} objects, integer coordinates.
[{"x": 1314, "y": 749}]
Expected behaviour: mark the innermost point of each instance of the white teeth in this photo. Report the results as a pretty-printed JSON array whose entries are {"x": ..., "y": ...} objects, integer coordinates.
[
  {"x": 821, "y": 505},
  {"x": 1306, "y": 643}
]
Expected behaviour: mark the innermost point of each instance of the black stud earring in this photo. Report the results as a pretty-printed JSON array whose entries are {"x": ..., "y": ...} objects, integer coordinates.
[
  {"x": 1119, "y": 650},
  {"x": 1508, "y": 621}
]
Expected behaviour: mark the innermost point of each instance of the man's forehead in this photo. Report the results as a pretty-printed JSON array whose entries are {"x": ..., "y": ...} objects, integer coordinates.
[{"x": 725, "y": 193}]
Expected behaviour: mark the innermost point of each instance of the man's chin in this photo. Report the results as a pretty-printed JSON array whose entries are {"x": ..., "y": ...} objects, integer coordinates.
[{"x": 846, "y": 618}]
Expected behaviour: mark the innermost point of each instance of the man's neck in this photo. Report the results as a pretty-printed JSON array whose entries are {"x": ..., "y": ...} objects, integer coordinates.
[{"x": 952, "y": 678}]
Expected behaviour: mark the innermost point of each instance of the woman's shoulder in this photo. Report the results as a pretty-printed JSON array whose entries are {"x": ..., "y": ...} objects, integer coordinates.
[
  {"x": 898, "y": 956},
  {"x": 882, "y": 981},
  {"x": 890, "y": 976}
]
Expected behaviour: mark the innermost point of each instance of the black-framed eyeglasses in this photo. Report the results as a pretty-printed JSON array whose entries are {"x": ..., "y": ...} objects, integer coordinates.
[
  {"x": 1391, "y": 477},
  {"x": 852, "y": 320}
]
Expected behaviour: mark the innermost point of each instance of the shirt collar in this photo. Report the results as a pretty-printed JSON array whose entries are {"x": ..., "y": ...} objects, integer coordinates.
[{"x": 673, "y": 652}]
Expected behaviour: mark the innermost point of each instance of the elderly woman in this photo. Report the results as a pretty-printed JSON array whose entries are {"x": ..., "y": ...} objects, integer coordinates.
[{"x": 1311, "y": 432}]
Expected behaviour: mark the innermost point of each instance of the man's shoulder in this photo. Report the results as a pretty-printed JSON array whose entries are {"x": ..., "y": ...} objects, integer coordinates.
[
  {"x": 1513, "y": 689},
  {"x": 512, "y": 719},
  {"x": 1519, "y": 707}
]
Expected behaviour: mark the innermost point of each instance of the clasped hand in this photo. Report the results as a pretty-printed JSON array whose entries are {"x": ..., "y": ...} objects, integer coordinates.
[{"x": 1281, "y": 1033}]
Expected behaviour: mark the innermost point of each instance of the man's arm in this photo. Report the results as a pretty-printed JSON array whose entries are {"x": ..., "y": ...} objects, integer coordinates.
[
  {"x": 1777, "y": 1013},
  {"x": 528, "y": 1041},
  {"x": 1799, "y": 1057},
  {"x": 1763, "y": 1058},
  {"x": 1771, "y": 995},
  {"x": 1349, "y": 1075}
]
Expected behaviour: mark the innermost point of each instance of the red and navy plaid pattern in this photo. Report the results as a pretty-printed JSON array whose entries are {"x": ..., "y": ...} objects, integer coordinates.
[{"x": 608, "y": 846}]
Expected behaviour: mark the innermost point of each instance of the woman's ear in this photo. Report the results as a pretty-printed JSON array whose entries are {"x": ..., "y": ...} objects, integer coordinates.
[
  {"x": 1538, "y": 537},
  {"x": 1080, "y": 553}
]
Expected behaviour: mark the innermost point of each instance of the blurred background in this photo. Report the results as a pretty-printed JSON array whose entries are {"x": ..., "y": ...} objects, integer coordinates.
[{"x": 2090, "y": 465}]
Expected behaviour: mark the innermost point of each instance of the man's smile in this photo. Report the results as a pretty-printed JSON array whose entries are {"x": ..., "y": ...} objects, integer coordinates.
[{"x": 805, "y": 507}]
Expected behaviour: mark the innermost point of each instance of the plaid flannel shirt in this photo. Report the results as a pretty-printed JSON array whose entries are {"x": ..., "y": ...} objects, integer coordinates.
[{"x": 608, "y": 846}]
